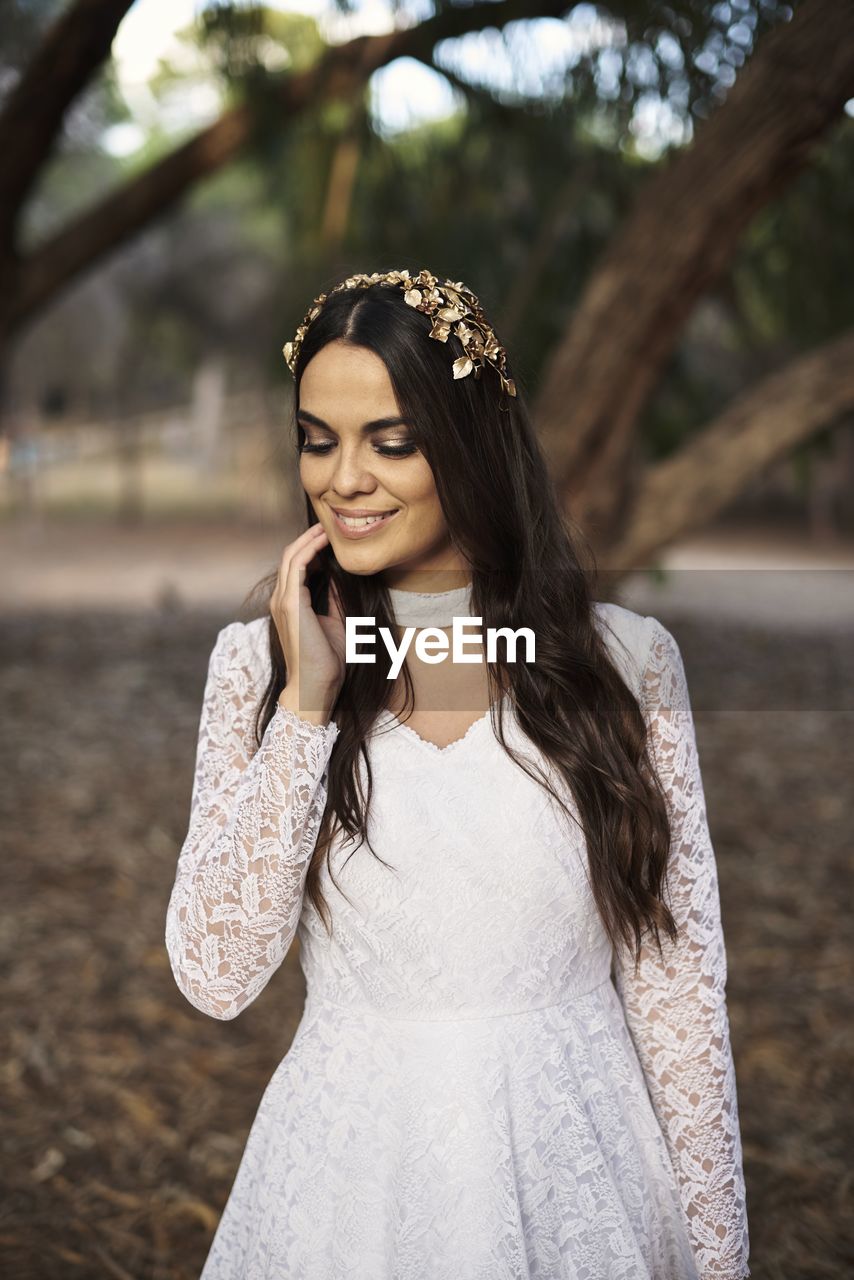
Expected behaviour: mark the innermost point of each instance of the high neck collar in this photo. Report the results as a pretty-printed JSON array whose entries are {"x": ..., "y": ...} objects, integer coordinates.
[{"x": 430, "y": 608}]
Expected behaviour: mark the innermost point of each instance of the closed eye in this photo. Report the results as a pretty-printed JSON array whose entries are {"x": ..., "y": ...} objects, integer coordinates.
[{"x": 385, "y": 450}]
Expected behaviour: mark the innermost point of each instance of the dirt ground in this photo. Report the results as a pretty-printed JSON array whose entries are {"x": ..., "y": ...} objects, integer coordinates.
[
  {"x": 744, "y": 572},
  {"x": 127, "y": 1110}
]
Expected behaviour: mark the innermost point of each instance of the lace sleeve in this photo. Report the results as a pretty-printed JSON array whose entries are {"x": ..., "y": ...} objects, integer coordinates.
[
  {"x": 254, "y": 820},
  {"x": 676, "y": 1006}
]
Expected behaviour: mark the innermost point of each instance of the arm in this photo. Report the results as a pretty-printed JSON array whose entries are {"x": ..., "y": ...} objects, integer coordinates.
[
  {"x": 676, "y": 1007},
  {"x": 254, "y": 821}
]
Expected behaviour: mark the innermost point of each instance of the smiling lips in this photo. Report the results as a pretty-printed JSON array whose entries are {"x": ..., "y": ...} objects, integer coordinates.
[{"x": 362, "y": 524}]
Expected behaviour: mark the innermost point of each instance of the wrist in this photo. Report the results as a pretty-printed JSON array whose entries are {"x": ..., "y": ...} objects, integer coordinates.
[{"x": 315, "y": 708}]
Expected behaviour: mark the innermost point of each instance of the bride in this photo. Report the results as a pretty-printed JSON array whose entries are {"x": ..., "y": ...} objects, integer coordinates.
[{"x": 514, "y": 1056}]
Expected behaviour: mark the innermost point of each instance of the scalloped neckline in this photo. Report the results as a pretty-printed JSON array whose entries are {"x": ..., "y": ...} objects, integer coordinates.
[{"x": 449, "y": 746}]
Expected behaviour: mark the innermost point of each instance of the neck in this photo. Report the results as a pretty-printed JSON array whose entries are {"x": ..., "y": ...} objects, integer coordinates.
[
  {"x": 430, "y": 608},
  {"x": 422, "y": 581}
]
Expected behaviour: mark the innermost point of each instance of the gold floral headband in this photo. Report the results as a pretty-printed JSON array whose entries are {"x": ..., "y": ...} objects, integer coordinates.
[{"x": 450, "y": 304}]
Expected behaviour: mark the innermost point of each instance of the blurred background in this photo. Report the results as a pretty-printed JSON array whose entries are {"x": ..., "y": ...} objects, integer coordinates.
[{"x": 654, "y": 202}]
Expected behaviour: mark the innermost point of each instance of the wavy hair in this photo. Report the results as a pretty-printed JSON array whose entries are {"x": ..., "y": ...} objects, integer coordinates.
[{"x": 527, "y": 563}]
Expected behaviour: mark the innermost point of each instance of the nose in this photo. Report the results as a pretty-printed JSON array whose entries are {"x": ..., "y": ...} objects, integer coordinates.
[{"x": 351, "y": 475}]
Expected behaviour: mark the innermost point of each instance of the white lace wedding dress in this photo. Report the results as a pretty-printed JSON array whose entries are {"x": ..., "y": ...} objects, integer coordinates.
[{"x": 477, "y": 1089}]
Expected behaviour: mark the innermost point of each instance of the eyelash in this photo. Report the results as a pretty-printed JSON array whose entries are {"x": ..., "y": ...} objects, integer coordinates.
[{"x": 387, "y": 451}]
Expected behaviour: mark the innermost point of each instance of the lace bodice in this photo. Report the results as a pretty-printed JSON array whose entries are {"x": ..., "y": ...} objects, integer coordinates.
[{"x": 238, "y": 901}]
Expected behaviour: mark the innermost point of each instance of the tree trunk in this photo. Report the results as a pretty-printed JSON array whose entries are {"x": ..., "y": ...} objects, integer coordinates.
[
  {"x": 687, "y": 490},
  {"x": 342, "y": 180},
  {"x": 71, "y": 51},
  {"x": 679, "y": 240},
  {"x": 208, "y": 414}
]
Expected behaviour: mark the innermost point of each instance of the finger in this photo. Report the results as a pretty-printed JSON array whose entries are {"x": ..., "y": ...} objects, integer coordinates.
[
  {"x": 298, "y": 565},
  {"x": 309, "y": 537}
]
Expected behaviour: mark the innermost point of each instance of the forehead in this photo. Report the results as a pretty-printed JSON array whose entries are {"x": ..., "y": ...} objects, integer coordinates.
[{"x": 342, "y": 381}]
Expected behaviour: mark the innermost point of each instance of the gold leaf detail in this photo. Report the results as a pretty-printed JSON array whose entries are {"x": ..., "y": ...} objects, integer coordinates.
[{"x": 446, "y": 302}]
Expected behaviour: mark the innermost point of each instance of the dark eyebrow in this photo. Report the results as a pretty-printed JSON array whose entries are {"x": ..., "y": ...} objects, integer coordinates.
[{"x": 366, "y": 428}]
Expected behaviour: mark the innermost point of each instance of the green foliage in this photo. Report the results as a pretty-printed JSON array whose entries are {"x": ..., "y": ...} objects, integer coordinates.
[
  {"x": 246, "y": 43},
  {"x": 791, "y": 267},
  {"x": 516, "y": 192}
]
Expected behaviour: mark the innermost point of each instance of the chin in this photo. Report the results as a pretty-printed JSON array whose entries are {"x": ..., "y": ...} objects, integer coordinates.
[{"x": 361, "y": 561}]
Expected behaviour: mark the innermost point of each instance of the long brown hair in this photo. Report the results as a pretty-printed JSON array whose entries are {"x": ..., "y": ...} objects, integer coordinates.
[{"x": 525, "y": 556}]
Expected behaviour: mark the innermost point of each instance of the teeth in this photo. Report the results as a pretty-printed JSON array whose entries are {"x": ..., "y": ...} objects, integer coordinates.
[{"x": 356, "y": 522}]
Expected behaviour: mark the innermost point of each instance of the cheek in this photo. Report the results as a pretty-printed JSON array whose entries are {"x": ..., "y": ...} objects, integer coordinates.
[
  {"x": 313, "y": 470},
  {"x": 419, "y": 492},
  {"x": 417, "y": 487}
]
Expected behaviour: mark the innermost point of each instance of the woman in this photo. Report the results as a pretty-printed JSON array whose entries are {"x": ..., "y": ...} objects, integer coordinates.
[{"x": 503, "y": 1069}]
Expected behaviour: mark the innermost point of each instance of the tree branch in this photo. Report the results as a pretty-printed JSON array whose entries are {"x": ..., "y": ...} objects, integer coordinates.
[
  {"x": 341, "y": 72},
  {"x": 765, "y": 423},
  {"x": 70, "y": 52},
  {"x": 679, "y": 240}
]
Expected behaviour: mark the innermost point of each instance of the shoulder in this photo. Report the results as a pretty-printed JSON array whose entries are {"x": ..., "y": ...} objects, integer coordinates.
[
  {"x": 244, "y": 646},
  {"x": 629, "y": 637}
]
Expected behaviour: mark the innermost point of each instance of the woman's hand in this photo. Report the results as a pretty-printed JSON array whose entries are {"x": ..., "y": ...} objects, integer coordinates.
[{"x": 312, "y": 644}]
